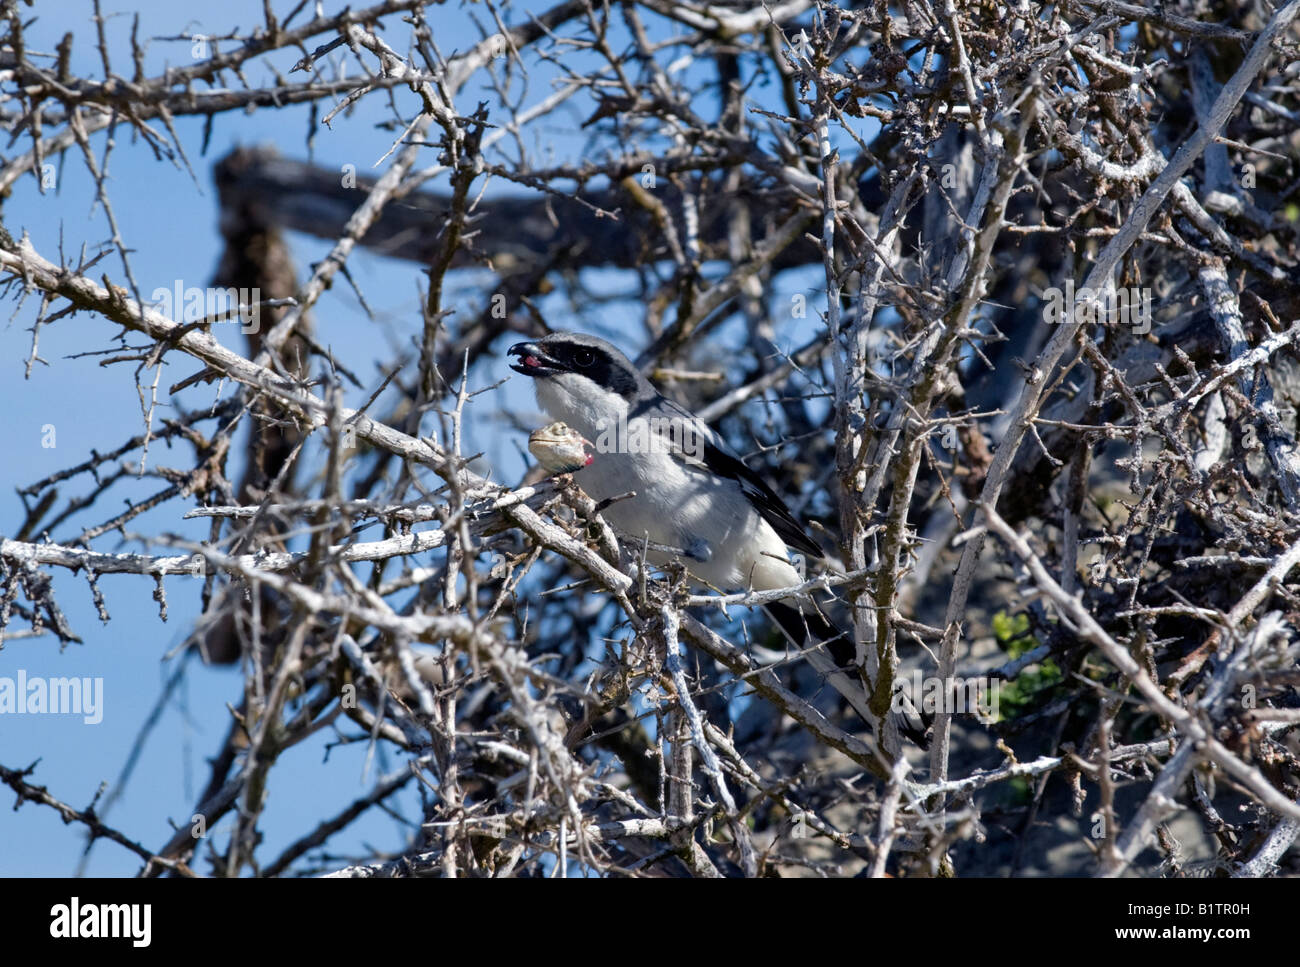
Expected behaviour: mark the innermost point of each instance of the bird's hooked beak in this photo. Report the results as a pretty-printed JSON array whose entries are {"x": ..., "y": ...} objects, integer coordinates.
[{"x": 533, "y": 360}]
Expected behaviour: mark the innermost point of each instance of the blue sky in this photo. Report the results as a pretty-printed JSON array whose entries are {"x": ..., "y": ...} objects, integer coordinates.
[{"x": 170, "y": 223}]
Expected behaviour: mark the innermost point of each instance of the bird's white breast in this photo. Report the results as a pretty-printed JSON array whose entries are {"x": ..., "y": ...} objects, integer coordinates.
[{"x": 673, "y": 505}]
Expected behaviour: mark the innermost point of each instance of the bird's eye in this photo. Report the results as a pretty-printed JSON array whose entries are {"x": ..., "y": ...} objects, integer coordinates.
[{"x": 584, "y": 357}]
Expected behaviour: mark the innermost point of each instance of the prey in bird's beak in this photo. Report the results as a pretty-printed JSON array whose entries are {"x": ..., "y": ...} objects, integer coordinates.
[{"x": 559, "y": 448}]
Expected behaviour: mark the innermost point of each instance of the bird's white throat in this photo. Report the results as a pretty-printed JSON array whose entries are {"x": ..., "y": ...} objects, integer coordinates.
[{"x": 577, "y": 401}]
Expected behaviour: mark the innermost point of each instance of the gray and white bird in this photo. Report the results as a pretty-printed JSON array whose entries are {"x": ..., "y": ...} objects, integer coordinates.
[{"x": 693, "y": 493}]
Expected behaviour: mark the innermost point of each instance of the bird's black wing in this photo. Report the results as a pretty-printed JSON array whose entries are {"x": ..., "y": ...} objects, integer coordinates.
[
  {"x": 717, "y": 459},
  {"x": 765, "y": 501}
]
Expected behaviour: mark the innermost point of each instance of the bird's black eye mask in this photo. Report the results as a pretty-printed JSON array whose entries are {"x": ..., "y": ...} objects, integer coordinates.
[
  {"x": 541, "y": 359},
  {"x": 604, "y": 370}
]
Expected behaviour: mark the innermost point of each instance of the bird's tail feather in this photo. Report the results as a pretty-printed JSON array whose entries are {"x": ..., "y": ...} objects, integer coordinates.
[{"x": 837, "y": 661}]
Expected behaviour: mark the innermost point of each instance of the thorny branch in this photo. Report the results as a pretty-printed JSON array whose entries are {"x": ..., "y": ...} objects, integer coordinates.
[{"x": 1053, "y": 253}]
